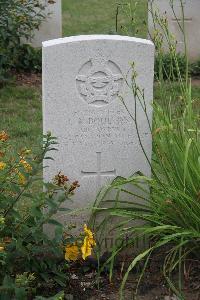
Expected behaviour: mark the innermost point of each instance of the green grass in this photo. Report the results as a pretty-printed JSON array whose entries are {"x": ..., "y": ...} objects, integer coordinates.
[
  {"x": 88, "y": 16},
  {"x": 98, "y": 17},
  {"x": 21, "y": 114}
]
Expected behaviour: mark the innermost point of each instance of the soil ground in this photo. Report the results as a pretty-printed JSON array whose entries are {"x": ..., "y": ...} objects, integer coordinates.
[
  {"x": 83, "y": 286},
  {"x": 30, "y": 79}
]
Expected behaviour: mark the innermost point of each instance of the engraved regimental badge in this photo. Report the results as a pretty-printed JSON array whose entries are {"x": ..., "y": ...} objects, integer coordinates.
[{"x": 99, "y": 81}]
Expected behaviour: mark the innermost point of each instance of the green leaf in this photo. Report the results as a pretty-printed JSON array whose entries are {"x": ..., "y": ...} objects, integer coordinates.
[
  {"x": 54, "y": 222},
  {"x": 20, "y": 293}
]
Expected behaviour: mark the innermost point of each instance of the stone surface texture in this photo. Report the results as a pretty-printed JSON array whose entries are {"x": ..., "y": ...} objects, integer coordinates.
[
  {"x": 191, "y": 23},
  {"x": 51, "y": 28},
  {"x": 83, "y": 77}
]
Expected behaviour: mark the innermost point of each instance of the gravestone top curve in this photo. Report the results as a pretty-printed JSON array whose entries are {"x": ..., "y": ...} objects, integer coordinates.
[{"x": 94, "y": 37}]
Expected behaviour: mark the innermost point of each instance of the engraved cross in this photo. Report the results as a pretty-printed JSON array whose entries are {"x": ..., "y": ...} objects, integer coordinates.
[
  {"x": 99, "y": 173},
  {"x": 180, "y": 20}
]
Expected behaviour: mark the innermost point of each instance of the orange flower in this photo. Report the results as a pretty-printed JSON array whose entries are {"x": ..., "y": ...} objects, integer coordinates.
[
  {"x": 3, "y": 136},
  {"x": 60, "y": 179},
  {"x": 73, "y": 186},
  {"x": 24, "y": 152},
  {"x": 26, "y": 165}
]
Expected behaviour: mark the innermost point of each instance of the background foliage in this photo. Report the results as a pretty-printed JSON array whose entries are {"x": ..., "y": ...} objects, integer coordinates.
[
  {"x": 31, "y": 259},
  {"x": 18, "y": 19}
]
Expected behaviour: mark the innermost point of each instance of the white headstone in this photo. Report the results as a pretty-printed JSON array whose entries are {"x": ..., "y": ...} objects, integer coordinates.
[
  {"x": 82, "y": 78},
  {"x": 51, "y": 28},
  {"x": 191, "y": 23}
]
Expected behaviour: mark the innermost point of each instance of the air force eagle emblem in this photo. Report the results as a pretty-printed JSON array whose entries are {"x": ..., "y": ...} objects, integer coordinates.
[{"x": 99, "y": 81}]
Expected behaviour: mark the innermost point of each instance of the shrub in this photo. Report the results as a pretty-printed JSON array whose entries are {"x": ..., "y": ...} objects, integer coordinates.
[
  {"x": 195, "y": 69},
  {"x": 28, "y": 256},
  {"x": 30, "y": 59},
  {"x": 18, "y": 19},
  {"x": 167, "y": 66},
  {"x": 31, "y": 259}
]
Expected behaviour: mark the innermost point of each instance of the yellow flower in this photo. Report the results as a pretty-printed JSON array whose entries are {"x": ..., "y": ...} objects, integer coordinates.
[
  {"x": 86, "y": 249},
  {"x": 24, "y": 152},
  {"x": 26, "y": 165},
  {"x": 88, "y": 232},
  {"x": 88, "y": 243},
  {"x": 22, "y": 179},
  {"x": 2, "y": 165},
  {"x": 1, "y": 249},
  {"x": 72, "y": 252}
]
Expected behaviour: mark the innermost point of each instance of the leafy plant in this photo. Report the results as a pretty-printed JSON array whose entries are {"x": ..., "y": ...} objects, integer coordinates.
[
  {"x": 18, "y": 20},
  {"x": 30, "y": 59},
  {"x": 195, "y": 69},
  {"x": 59, "y": 296},
  {"x": 167, "y": 66},
  {"x": 166, "y": 207},
  {"x": 29, "y": 256}
]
